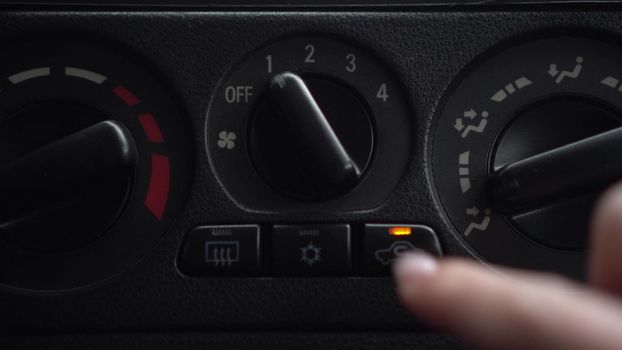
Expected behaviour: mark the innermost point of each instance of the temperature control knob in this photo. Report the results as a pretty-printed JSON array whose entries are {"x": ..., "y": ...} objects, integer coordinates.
[
  {"x": 95, "y": 163},
  {"x": 74, "y": 173},
  {"x": 310, "y": 138}
]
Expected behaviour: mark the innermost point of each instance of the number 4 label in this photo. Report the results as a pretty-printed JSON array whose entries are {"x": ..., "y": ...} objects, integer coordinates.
[{"x": 382, "y": 93}]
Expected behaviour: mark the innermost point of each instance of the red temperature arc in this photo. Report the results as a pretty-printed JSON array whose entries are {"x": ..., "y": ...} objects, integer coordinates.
[{"x": 159, "y": 183}]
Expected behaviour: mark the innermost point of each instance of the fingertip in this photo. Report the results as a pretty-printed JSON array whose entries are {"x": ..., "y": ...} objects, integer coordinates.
[
  {"x": 605, "y": 240},
  {"x": 516, "y": 311},
  {"x": 413, "y": 266},
  {"x": 608, "y": 206},
  {"x": 441, "y": 292},
  {"x": 411, "y": 272}
]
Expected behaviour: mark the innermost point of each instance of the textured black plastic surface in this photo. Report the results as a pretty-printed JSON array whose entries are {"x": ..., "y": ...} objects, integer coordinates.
[
  {"x": 291, "y": 3},
  {"x": 235, "y": 340},
  {"x": 193, "y": 51}
]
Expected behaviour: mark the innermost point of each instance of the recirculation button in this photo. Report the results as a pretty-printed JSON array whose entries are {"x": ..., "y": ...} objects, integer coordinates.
[{"x": 385, "y": 243}]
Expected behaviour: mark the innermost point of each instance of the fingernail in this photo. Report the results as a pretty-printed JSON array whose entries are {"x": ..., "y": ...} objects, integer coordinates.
[{"x": 412, "y": 269}]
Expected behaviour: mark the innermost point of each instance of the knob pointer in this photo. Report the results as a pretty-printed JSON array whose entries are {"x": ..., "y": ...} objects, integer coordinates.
[{"x": 328, "y": 163}]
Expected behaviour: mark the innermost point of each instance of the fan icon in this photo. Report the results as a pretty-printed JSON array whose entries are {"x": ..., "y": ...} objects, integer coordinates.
[{"x": 226, "y": 139}]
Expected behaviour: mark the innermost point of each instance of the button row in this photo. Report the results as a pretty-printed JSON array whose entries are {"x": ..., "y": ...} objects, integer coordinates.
[{"x": 301, "y": 250}]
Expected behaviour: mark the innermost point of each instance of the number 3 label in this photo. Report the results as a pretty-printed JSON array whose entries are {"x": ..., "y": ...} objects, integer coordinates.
[{"x": 351, "y": 67}]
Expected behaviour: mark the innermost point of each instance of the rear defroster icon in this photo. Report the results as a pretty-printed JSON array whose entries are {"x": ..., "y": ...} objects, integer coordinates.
[{"x": 222, "y": 254}]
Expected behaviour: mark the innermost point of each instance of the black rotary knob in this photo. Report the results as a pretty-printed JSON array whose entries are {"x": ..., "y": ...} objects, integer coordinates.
[
  {"x": 525, "y": 143},
  {"x": 310, "y": 137},
  {"x": 550, "y": 164},
  {"x": 95, "y": 164},
  {"x": 65, "y": 174}
]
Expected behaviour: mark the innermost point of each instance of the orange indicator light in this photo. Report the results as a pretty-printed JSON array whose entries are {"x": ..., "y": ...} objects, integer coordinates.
[{"x": 400, "y": 231}]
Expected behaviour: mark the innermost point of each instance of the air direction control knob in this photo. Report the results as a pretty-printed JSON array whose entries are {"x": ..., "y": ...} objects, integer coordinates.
[
  {"x": 551, "y": 163},
  {"x": 522, "y": 151}
]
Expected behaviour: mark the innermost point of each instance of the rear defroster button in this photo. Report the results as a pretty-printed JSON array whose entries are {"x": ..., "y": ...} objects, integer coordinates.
[
  {"x": 386, "y": 243},
  {"x": 221, "y": 251}
]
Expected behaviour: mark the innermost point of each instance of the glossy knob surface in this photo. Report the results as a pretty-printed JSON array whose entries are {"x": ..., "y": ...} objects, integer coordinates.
[
  {"x": 65, "y": 174},
  {"x": 311, "y": 138}
]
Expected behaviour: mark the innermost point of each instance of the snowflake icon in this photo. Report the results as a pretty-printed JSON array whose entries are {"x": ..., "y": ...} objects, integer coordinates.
[{"x": 310, "y": 254}]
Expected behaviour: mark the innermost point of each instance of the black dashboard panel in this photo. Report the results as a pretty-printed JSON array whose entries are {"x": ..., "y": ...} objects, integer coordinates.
[
  {"x": 150, "y": 302},
  {"x": 294, "y": 4}
]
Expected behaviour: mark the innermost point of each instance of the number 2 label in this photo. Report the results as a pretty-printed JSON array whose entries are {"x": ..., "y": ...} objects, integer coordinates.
[{"x": 310, "y": 52}]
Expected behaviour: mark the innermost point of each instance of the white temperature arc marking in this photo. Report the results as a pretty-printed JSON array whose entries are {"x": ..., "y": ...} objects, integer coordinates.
[
  {"x": 29, "y": 74},
  {"x": 463, "y": 170},
  {"x": 85, "y": 74},
  {"x": 610, "y": 81},
  {"x": 511, "y": 88}
]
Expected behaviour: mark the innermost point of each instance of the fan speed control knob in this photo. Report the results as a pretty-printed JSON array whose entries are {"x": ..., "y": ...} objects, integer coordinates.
[{"x": 311, "y": 137}]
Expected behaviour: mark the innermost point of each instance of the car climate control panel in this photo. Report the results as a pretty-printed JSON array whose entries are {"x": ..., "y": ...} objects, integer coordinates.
[{"x": 265, "y": 168}]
